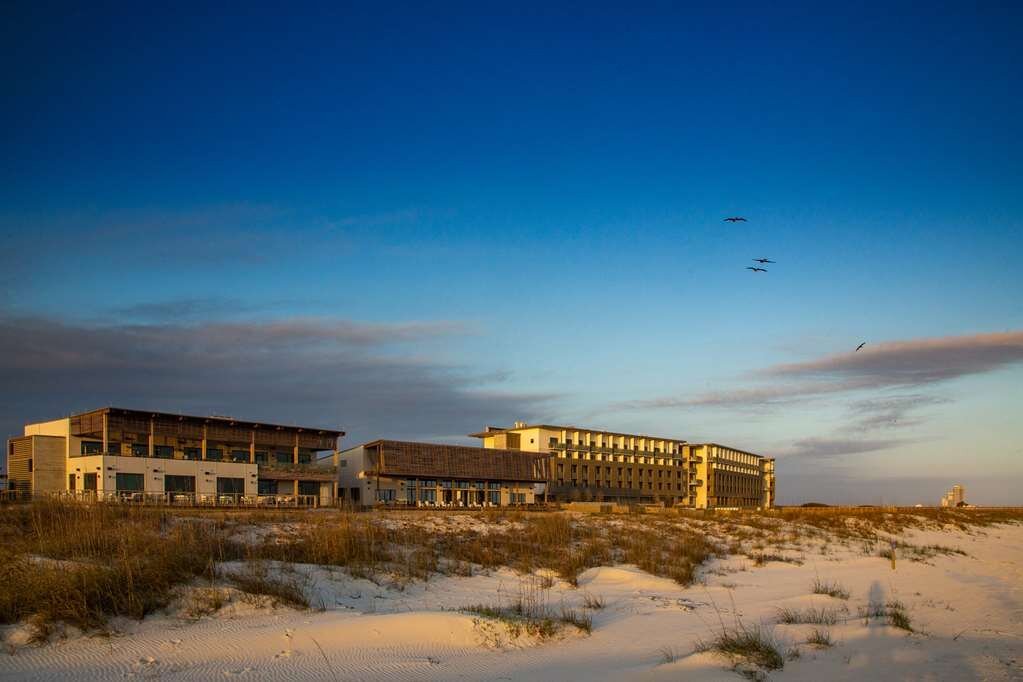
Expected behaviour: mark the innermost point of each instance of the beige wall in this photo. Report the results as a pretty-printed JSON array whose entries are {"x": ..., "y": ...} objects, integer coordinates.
[{"x": 108, "y": 466}]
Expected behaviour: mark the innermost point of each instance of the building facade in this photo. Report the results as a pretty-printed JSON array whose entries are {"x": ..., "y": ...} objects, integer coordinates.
[
  {"x": 955, "y": 497},
  {"x": 405, "y": 474},
  {"x": 724, "y": 477},
  {"x": 596, "y": 465},
  {"x": 122, "y": 452}
]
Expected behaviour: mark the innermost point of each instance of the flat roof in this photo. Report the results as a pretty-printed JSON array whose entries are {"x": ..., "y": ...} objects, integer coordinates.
[
  {"x": 212, "y": 418},
  {"x": 553, "y": 427},
  {"x": 728, "y": 447}
]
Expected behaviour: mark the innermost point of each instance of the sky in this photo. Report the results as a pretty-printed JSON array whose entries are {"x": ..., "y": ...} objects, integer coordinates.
[{"x": 410, "y": 221}]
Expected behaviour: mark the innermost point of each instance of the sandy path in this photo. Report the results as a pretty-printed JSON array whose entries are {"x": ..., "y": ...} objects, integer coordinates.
[{"x": 968, "y": 609}]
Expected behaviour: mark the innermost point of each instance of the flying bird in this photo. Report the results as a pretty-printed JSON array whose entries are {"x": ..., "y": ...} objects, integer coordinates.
[
  {"x": 763, "y": 260},
  {"x": 860, "y": 346},
  {"x": 735, "y": 219},
  {"x": 750, "y": 267}
]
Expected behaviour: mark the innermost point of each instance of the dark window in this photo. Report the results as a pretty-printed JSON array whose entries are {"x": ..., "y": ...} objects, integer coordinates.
[
  {"x": 308, "y": 487},
  {"x": 30, "y": 466},
  {"x": 163, "y": 451},
  {"x": 355, "y": 495},
  {"x": 214, "y": 454},
  {"x": 495, "y": 497},
  {"x": 89, "y": 482},
  {"x": 114, "y": 448},
  {"x": 239, "y": 455},
  {"x": 193, "y": 453},
  {"x": 179, "y": 484},
  {"x": 282, "y": 457},
  {"x": 92, "y": 447},
  {"x": 230, "y": 486},
  {"x": 71, "y": 482},
  {"x": 267, "y": 487},
  {"x": 260, "y": 456},
  {"x": 130, "y": 482},
  {"x": 140, "y": 449},
  {"x": 305, "y": 457}
]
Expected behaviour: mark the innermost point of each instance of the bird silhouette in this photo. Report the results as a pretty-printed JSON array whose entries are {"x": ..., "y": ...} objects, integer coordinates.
[
  {"x": 763, "y": 260},
  {"x": 860, "y": 346},
  {"x": 750, "y": 267},
  {"x": 735, "y": 219}
]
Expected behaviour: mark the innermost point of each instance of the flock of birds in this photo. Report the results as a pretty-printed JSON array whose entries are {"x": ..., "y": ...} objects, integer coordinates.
[{"x": 765, "y": 261}]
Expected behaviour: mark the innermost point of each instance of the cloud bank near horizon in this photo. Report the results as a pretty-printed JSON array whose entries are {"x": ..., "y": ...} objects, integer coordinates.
[{"x": 370, "y": 379}]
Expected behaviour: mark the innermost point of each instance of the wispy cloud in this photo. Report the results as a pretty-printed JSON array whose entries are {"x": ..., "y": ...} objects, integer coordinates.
[
  {"x": 371, "y": 379},
  {"x": 821, "y": 448},
  {"x": 890, "y": 412},
  {"x": 902, "y": 364}
]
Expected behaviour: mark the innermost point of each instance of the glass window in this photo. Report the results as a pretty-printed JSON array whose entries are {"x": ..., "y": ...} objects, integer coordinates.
[
  {"x": 130, "y": 482},
  {"x": 140, "y": 449},
  {"x": 193, "y": 453},
  {"x": 89, "y": 482},
  {"x": 410, "y": 494},
  {"x": 260, "y": 456},
  {"x": 386, "y": 495},
  {"x": 462, "y": 485},
  {"x": 428, "y": 484},
  {"x": 305, "y": 457},
  {"x": 266, "y": 487},
  {"x": 308, "y": 487},
  {"x": 230, "y": 486},
  {"x": 282, "y": 457},
  {"x": 239, "y": 455},
  {"x": 92, "y": 447},
  {"x": 495, "y": 497},
  {"x": 163, "y": 451},
  {"x": 494, "y": 485},
  {"x": 179, "y": 484},
  {"x": 427, "y": 495},
  {"x": 71, "y": 482},
  {"x": 114, "y": 448},
  {"x": 214, "y": 454}
]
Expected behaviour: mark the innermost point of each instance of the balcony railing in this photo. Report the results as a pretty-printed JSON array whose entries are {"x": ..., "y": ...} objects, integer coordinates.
[{"x": 191, "y": 499}]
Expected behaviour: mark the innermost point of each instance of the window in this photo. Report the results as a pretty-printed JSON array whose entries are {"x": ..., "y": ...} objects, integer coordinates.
[
  {"x": 179, "y": 484},
  {"x": 495, "y": 497},
  {"x": 30, "y": 466},
  {"x": 92, "y": 447},
  {"x": 410, "y": 494},
  {"x": 130, "y": 482},
  {"x": 114, "y": 448},
  {"x": 260, "y": 456},
  {"x": 305, "y": 457},
  {"x": 282, "y": 457},
  {"x": 230, "y": 486},
  {"x": 494, "y": 485},
  {"x": 308, "y": 487},
  {"x": 239, "y": 455},
  {"x": 428, "y": 495},
  {"x": 163, "y": 451},
  {"x": 71, "y": 482},
  {"x": 264, "y": 487},
  {"x": 214, "y": 454},
  {"x": 193, "y": 453},
  {"x": 89, "y": 482},
  {"x": 140, "y": 450},
  {"x": 386, "y": 495}
]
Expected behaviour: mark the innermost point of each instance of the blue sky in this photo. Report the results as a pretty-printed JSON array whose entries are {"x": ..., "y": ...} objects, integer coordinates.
[{"x": 410, "y": 221}]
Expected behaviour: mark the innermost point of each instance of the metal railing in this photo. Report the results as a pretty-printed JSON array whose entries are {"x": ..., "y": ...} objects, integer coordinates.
[{"x": 186, "y": 499}]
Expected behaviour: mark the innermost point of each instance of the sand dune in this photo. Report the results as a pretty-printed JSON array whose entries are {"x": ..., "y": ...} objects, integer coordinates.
[{"x": 966, "y": 611}]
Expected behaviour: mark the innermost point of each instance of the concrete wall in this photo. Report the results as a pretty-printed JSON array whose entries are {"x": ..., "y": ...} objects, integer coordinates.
[{"x": 108, "y": 466}]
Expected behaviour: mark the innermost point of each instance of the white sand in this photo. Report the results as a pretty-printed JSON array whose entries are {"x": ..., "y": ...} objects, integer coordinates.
[{"x": 968, "y": 612}]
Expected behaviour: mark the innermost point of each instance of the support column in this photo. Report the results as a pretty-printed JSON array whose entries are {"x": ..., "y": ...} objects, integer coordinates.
[
  {"x": 106, "y": 433},
  {"x": 202, "y": 453},
  {"x": 152, "y": 435},
  {"x": 294, "y": 454},
  {"x": 252, "y": 448}
]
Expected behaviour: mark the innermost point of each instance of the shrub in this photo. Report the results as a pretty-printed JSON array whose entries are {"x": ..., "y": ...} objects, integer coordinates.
[{"x": 832, "y": 589}]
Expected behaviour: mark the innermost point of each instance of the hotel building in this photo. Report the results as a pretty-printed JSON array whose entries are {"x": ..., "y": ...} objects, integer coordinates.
[
  {"x": 115, "y": 452},
  {"x": 399, "y": 473},
  {"x": 596, "y": 465}
]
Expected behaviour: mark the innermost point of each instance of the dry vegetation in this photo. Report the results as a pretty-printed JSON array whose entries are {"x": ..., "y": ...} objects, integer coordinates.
[{"x": 82, "y": 564}]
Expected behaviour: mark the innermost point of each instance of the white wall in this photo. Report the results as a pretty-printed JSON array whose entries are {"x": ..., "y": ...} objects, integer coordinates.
[{"x": 154, "y": 470}]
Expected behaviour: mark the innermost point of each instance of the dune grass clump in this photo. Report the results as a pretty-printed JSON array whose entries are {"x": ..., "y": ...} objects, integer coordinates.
[
  {"x": 830, "y": 588},
  {"x": 256, "y": 579},
  {"x": 813, "y": 616},
  {"x": 746, "y": 646},
  {"x": 820, "y": 638}
]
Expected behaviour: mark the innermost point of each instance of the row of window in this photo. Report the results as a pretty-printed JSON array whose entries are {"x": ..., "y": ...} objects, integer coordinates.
[
  {"x": 126, "y": 482},
  {"x": 457, "y": 485},
  {"x": 619, "y": 484},
  {"x": 554, "y": 442},
  {"x": 212, "y": 454}
]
